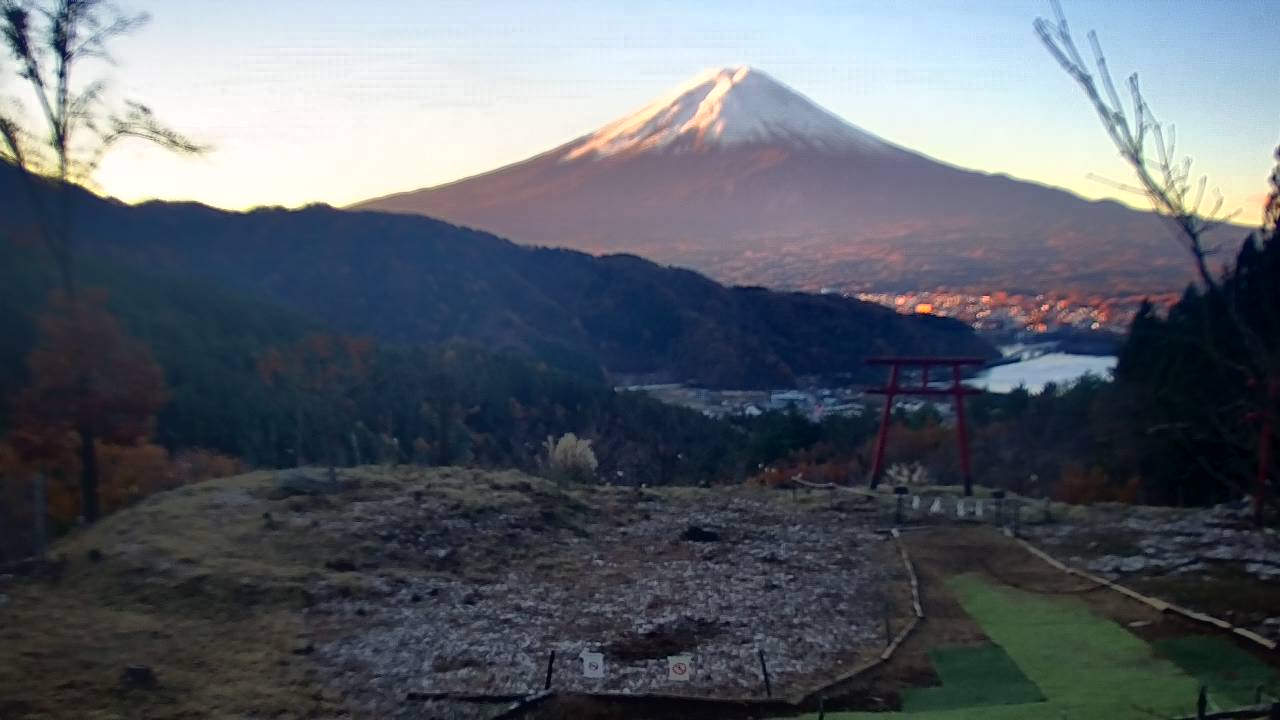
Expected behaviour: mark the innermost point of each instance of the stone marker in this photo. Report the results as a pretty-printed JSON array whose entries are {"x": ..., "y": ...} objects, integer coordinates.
[
  {"x": 915, "y": 502},
  {"x": 679, "y": 668},
  {"x": 592, "y": 664},
  {"x": 977, "y": 509}
]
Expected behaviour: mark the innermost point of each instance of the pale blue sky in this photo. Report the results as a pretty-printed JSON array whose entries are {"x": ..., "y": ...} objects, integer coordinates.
[{"x": 340, "y": 101}]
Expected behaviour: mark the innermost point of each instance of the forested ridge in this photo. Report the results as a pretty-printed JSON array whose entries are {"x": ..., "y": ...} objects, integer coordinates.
[
  {"x": 490, "y": 408},
  {"x": 417, "y": 281}
]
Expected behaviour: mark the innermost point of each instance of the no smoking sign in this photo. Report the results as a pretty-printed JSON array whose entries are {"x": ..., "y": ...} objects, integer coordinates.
[
  {"x": 679, "y": 668},
  {"x": 592, "y": 665}
]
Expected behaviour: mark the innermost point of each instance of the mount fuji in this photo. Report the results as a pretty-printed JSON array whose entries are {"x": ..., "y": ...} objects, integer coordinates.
[{"x": 741, "y": 177}]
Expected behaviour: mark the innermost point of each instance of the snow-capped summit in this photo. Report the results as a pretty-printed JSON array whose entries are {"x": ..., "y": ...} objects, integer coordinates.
[
  {"x": 739, "y": 176},
  {"x": 725, "y": 107}
]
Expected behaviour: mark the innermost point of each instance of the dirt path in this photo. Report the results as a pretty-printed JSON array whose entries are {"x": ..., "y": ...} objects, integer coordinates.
[{"x": 940, "y": 553}]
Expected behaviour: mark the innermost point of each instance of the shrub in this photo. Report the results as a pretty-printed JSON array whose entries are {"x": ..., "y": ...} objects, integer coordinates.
[
  {"x": 904, "y": 474},
  {"x": 570, "y": 459},
  {"x": 198, "y": 464}
]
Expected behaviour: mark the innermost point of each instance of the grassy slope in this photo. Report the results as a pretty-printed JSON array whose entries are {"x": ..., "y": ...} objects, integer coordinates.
[
  {"x": 1231, "y": 674},
  {"x": 1086, "y": 666},
  {"x": 973, "y": 676},
  {"x": 189, "y": 584}
]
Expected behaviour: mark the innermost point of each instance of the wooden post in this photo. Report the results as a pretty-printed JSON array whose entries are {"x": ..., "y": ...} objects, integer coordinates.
[
  {"x": 822, "y": 708},
  {"x": 551, "y": 664},
  {"x": 764, "y": 670},
  {"x": 39, "y": 512},
  {"x": 1202, "y": 703},
  {"x": 900, "y": 495},
  {"x": 888, "y": 628}
]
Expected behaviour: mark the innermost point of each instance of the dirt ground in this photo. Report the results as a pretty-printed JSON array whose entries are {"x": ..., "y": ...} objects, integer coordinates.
[
  {"x": 248, "y": 601},
  {"x": 231, "y": 595},
  {"x": 938, "y": 552}
]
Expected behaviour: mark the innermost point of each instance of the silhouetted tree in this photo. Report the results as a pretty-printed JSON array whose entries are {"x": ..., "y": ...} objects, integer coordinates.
[
  {"x": 62, "y": 142},
  {"x": 1221, "y": 330},
  {"x": 72, "y": 128}
]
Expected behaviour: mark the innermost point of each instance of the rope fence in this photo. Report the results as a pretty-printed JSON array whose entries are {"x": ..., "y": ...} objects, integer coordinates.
[{"x": 1152, "y": 602}]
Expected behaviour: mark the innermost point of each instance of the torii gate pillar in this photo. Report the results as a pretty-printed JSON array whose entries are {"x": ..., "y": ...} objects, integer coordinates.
[{"x": 956, "y": 390}]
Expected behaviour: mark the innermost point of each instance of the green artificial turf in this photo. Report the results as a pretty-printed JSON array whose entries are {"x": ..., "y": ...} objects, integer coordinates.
[
  {"x": 972, "y": 677},
  {"x": 1231, "y": 674},
  {"x": 1086, "y": 666}
]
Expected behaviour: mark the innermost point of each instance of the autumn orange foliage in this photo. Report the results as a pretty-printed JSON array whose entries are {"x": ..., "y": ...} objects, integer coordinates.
[
  {"x": 837, "y": 472},
  {"x": 86, "y": 416},
  {"x": 127, "y": 474},
  {"x": 932, "y": 444},
  {"x": 86, "y": 373},
  {"x": 1079, "y": 486},
  {"x": 197, "y": 464}
]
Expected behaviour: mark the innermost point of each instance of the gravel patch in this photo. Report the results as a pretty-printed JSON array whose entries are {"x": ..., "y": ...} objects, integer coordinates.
[
  {"x": 474, "y": 600},
  {"x": 1176, "y": 541}
]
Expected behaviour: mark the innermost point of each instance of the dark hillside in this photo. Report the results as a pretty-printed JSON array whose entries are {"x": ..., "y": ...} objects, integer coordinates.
[
  {"x": 493, "y": 409},
  {"x": 414, "y": 280}
]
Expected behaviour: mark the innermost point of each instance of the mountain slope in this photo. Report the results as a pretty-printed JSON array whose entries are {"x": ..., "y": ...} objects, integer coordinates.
[
  {"x": 446, "y": 404},
  {"x": 738, "y": 176},
  {"x": 415, "y": 280}
]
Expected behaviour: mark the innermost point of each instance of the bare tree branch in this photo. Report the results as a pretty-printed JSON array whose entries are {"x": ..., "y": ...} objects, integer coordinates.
[
  {"x": 1244, "y": 346},
  {"x": 1165, "y": 181},
  {"x": 47, "y": 39}
]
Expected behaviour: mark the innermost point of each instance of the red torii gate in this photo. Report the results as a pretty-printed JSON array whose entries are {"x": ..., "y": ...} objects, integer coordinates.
[{"x": 956, "y": 390}]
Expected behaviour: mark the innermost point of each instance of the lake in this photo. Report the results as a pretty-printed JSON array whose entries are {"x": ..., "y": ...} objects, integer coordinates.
[{"x": 1034, "y": 374}]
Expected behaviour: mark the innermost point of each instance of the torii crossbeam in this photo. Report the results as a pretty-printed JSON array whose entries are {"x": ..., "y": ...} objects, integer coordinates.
[{"x": 956, "y": 390}]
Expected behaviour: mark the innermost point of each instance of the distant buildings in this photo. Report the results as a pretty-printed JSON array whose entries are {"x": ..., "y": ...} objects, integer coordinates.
[
  {"x": 813, "y": 403},
  {"x": 1002, "y": 311}
]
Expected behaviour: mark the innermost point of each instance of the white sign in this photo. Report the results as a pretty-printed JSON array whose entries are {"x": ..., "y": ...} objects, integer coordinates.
[
  {"x": 977, "y": 509},
  {"x": 936, "y": 507},
  {"x": 592, "y": 664},
  {"x": 679, "y": 668},
  {"x": 959, "y": 508},
  {"x": 915, "y": 502}
]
